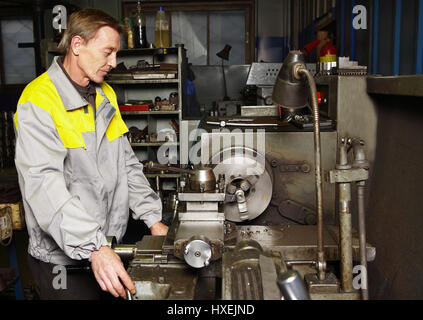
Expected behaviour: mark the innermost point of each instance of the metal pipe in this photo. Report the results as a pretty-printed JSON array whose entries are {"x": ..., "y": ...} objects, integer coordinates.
[
  {"x": 321, "y": 263},
  {"x": 300, "y": 262},
  {"x": 345, "y": 224},
  {"x": 125, "y": 251},
  {"x": 360, "y": 161},
  {"x": 362, "y": 234}
]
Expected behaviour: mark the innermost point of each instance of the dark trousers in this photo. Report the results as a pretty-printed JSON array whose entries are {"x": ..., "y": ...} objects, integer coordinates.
[{"x": 76, "y": 285}]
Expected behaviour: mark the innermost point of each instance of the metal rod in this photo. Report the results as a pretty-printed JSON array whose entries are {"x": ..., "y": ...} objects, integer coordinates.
[
  {"x": 362, "y": 234},
  {"x": 321, "y": 263},
  {"x": 125, "y": 251},
  {"x": 345, "y": 231},
  {"x": 225, "y": 98},
  {"x": 300, "y": 262},
  {"x": 345, "y": 224},
  {"x": 360, "y": 161}
]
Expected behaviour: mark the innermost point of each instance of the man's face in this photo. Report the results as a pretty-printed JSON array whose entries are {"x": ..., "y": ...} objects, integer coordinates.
[{"x": 98, "y": 56}]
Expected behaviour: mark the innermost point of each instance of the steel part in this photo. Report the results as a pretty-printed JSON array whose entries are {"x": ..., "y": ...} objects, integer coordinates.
[
  {"x": 298, "y": 242},
  {"x": 297, "y": 149},
  {"x": 297, "y": 212},
  {"x": 269, "y": 277},
  {"x": 263, "y": 74},
  {"x": 221, "y": 183},
  {"x": 203, "y": 180},
  {"x": 162, "y": 282},
  {"x": 128, "y": 295},
  {"x": 197, "y": 252},
  {"x": 259, "y": 111},
  {"x": 111, "y": 241},
  {"x": 212, "y": 230},
  {"x": 238, "y": 164},
  {"x": 201, "y": 197},
  {"x": 350, "y": 175},
  {"x": 232, "y": 124},
  {"x": 361, "y": 186},
  {"x": 289, "y": 91},
  {"x": 335, "y": 296},
  {"x": 318, "y": 169},
  {"x": 345, "y": 224},
  {"x": 125, "y": 251},
  {"x": 292, "y": 286},
  {"x": 301, "y": 262},
  {"x": 326, "y": 68},
  {"x": 360, "y": 161},
  {"x": 155, "y": 166},
  {"x": 242, "y": 205},
  {"x": 330, "y": 285},
  {"x": 302, "y": 167},
  {"x": 241, "y": 273},
  {"x": 202, "y": 216},
  {"x": 202, "y": 206}
]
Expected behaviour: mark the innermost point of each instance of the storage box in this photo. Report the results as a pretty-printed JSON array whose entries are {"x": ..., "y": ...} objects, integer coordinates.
[{"x": 18, "y": 215}]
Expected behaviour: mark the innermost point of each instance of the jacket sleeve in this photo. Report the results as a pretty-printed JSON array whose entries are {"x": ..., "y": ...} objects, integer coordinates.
[
  {"x": 143, "y": 201},
  {"x": 39, "y": 159}
]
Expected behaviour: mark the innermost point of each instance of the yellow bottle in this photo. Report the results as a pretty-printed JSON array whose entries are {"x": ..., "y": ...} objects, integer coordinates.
[{"x": 161, "y": 30}]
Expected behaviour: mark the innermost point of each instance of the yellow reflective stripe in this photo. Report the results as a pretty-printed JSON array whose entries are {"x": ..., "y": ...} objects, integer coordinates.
[
  {"x": 15, "y": 119},
  {"x": 117, "y": 126},
  {"x": 70, "y": 125}
]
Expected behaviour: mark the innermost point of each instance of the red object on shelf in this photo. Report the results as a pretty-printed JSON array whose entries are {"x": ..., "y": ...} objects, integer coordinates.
[
  {"x": 310, "y": 47},
  {"x": 135, "y": 107},
  {"x": 328, "y": 53}
]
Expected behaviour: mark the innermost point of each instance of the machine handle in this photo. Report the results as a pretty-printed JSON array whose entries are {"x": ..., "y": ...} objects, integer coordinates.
[{"x": 292, "y": 286}]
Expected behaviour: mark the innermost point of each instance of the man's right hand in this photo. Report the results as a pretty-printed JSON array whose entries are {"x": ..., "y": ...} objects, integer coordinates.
[{"x": 108, "y": 269}]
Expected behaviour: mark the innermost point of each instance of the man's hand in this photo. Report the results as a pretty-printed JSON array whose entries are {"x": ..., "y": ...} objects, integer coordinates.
[
  {"x": 108, "y": 269},
  {"x": 158, "y": 229}
]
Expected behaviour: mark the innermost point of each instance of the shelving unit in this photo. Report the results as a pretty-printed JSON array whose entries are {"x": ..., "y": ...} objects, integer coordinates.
[{"x": 149, "y": 89}]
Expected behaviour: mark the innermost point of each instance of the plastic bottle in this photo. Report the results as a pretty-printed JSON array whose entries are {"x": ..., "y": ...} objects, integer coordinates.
[
  {"x": 161, "y": 30},
  {"x": 140, "y": 32},
  {"x": 129, "y": 43}
]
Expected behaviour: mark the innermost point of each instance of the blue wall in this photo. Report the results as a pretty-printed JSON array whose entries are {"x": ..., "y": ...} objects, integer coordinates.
[{"x": 393, "y": 42}]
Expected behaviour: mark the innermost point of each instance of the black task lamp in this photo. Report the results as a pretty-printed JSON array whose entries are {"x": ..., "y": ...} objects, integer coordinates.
[
  {"x": 224, "y": 55},
  {"x": 290, "y": 93}
]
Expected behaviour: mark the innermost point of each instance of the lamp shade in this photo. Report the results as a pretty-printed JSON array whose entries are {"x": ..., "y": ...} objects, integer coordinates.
[
  {"x": 224, "y": 54},
  {"x": 289, "y": 92}
]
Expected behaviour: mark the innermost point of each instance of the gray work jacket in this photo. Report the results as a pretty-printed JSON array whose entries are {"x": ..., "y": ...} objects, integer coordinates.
[{"x": 78, "y": 176}]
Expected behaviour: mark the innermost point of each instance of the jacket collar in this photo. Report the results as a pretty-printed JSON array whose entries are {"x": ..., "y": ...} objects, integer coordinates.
[{"x": 67, "y": 92}]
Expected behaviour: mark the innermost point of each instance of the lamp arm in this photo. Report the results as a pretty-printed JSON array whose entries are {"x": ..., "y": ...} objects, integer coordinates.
[{"x": 300, "y": 70}]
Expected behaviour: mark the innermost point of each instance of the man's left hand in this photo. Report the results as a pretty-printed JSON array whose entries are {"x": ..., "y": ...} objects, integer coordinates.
[{"x": 158, "y": 229}]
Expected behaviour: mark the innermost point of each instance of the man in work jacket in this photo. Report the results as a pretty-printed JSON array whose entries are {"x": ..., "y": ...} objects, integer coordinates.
[{"x": 77, "y": 172}]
